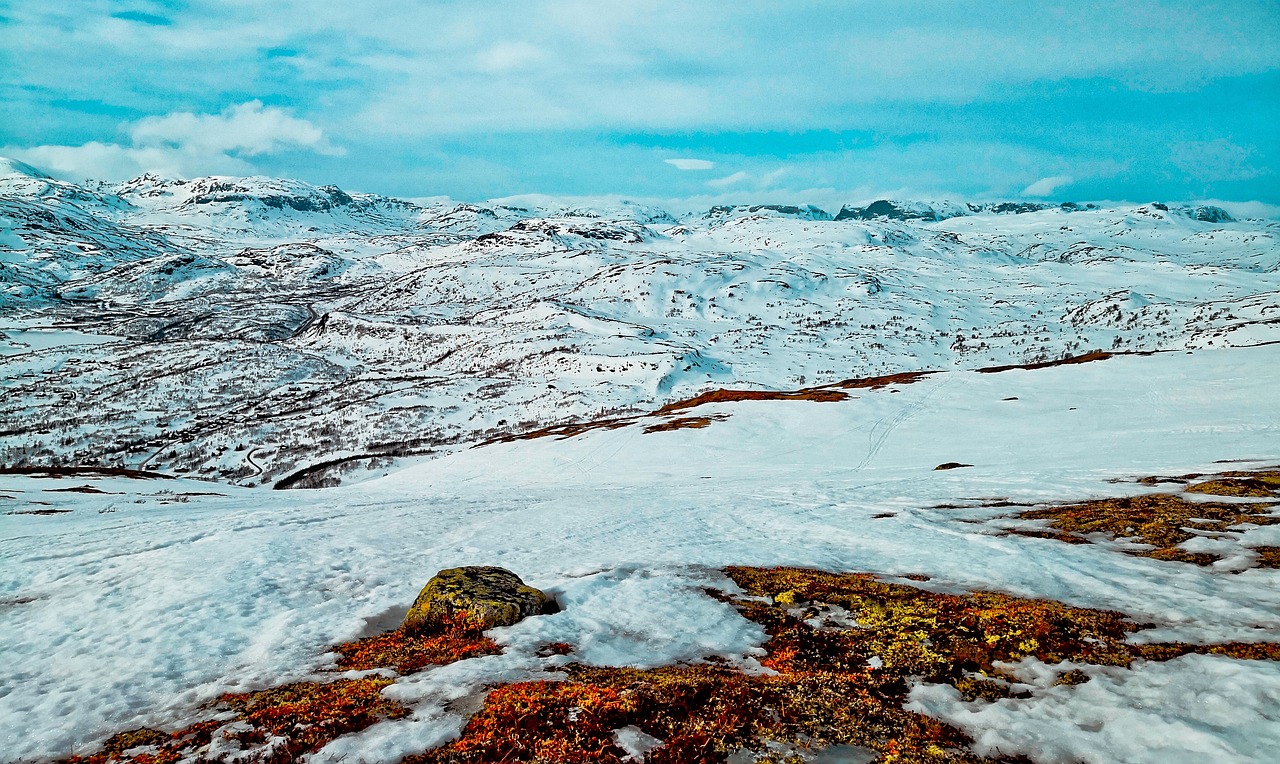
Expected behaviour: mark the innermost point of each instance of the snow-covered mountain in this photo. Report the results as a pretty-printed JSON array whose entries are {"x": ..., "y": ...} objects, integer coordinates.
[{"x": 259, "y": 330}]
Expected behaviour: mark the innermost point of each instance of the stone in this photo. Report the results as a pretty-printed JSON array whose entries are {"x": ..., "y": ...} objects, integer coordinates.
[{"x": 488, "y": 596}]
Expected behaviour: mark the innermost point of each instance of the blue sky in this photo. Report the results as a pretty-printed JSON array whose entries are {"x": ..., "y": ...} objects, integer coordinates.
[{"x": 802, "y": 101}]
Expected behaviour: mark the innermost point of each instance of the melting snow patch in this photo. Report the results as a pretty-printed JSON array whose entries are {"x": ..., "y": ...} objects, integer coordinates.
[{"x": 1193, "y": 709}]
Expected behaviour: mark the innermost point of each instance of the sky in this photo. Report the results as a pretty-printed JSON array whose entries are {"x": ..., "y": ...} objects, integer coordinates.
[{"x": 796, "y": 102}]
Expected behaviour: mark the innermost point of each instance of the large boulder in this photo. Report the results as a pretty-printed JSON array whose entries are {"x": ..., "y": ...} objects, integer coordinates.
[{"x": 486, "y": 596}]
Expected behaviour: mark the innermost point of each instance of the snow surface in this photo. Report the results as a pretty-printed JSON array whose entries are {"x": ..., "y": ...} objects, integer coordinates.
[
  {"x": 139, "y": 604},
  {"x": 1193, "y": 709}
]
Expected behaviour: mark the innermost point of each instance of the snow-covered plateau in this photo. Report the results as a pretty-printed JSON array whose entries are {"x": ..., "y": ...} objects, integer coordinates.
[{"x": 229, "y": 335}]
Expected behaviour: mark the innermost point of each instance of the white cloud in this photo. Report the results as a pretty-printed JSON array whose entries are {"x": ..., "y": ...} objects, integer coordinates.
[
  {"x": 509, "y": 56},
  {"x": 183, "y": 144},
  {"x": 1046, "y": 186},
  {"x": 248, "y": 128},
  {"x": 729, "y": 180},
  {"x": 690, "y": 164}
]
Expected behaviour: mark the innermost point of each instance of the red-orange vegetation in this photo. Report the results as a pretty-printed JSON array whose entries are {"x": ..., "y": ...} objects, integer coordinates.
[
  {"x": 283, "y": 723},
  {"x": 410, "y": 650}
]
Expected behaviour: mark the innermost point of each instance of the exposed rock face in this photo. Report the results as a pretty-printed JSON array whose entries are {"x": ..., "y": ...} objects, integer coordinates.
[{"x": 490, "y": 595}]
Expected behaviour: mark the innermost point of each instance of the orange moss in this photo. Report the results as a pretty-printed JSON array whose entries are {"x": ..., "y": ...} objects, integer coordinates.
[{"x": 410, "y": 650}]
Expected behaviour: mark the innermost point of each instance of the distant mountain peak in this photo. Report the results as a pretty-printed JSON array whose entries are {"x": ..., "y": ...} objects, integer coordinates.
[{"x": 14, "y": 167}]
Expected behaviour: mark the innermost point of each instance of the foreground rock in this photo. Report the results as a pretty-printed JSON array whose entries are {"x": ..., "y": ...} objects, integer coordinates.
[{"x": 485, "y": 595}]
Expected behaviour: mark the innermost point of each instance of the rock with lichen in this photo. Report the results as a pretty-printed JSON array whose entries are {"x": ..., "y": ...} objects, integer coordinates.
[{"x": 487, "y": 596}]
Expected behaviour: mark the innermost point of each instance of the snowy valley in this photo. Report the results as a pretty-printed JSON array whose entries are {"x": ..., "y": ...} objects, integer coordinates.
[{"x": 265, "y": 332}]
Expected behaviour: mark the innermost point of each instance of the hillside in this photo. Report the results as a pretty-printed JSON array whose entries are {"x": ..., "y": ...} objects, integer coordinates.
[{"x": 270, "y": 332}]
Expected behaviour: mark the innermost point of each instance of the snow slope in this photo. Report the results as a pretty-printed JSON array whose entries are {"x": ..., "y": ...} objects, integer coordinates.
[
  {"x": 140, "y": 603},
  {"x": 258, "y": 330}
]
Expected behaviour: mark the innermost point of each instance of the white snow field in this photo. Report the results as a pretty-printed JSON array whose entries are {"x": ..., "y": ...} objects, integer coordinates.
[{"x": 136, "y": 605}]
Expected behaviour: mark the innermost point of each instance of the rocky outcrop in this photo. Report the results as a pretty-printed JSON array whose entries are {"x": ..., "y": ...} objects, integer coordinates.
[{"x": 486, "y": 595}]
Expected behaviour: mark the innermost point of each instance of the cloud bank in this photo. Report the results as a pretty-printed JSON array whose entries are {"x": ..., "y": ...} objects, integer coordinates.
[{"x": 183, "y": 144}]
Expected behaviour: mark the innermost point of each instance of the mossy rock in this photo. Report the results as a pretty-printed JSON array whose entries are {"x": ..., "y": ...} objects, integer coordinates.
[{"x": 486, "y": 596}]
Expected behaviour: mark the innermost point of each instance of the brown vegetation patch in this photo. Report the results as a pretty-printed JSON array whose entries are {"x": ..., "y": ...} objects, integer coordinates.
[
  {"x": 875, "y": 383},
  {"x": 413, "y": 649},
  {"x": 818, "y": 394},
  {"x": 564, "y": 430},
  {"x": 1096, "y": 355},
  {"x": 1161, "y": 520},
  {"x": 38, "y": 512},
  {"x": 686, "y": 423},
  {"x": 282, "y": 723},
  {"x": 951, "y": 466},
  {"x": 1261, "y": 484}
]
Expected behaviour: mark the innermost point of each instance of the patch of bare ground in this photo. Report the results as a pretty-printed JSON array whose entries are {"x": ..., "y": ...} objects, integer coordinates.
[
  {"x": 38, "y": 512},
  {"x": 1096, "y": 355},
  {"x": 563, "y": 431},
  {"x": 86, "y": 488},
  {"x": 817, "y": 394},
  {"x": 686, "y": 423},
  {"x": 884, "y": 380},
  {"x": 1164, "y": 521}
]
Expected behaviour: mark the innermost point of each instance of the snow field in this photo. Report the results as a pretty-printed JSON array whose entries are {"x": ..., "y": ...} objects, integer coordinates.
[{"x": 129, "y": 611}]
